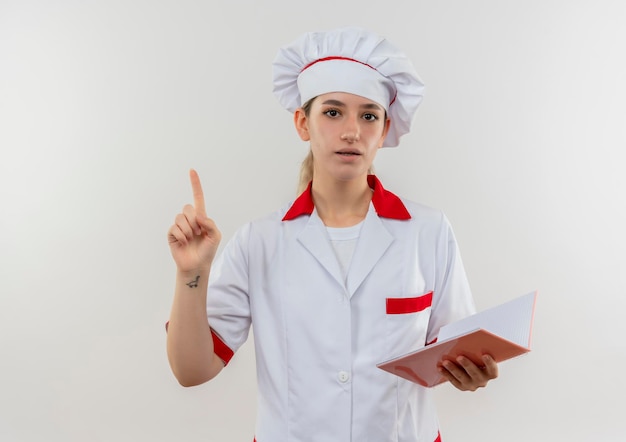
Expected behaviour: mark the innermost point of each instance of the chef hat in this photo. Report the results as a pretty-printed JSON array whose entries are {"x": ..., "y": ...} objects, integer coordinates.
[{"x": 349, "y": 60}]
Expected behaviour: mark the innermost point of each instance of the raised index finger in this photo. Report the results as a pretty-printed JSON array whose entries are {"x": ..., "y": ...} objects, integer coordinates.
[{"x": 198, "y": 195}]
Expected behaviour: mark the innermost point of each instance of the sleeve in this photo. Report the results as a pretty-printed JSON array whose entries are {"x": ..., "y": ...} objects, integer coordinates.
[
  {"x": 452, "y": 297},
  {"x": 228, "y": 303}
]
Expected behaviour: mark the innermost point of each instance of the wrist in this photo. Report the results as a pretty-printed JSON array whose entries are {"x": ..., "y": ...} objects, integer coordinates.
[{"x": 192, "y": 278}]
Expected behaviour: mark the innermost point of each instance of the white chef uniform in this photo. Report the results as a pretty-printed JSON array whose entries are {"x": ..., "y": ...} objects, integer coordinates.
[{"x": 318, "y": 335}]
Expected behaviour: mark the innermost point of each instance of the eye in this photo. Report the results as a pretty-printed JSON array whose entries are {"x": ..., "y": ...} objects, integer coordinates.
[
  {"x": 332, "y": 113},
  {"x": 370, "y": 117}
]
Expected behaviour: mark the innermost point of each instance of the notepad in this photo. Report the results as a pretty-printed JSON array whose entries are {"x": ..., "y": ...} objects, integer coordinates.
[{"x": 503, "y": 332}]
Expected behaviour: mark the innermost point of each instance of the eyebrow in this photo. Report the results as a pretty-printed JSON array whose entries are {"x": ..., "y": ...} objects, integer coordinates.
[{"x": 333, "y": 102}]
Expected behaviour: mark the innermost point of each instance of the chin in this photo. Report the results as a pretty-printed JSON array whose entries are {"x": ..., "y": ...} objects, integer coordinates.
[{"x": 352, "y": 176}]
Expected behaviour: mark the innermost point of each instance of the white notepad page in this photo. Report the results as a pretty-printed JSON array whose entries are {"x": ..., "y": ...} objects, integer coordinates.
[{"x": 512, "y": 321}]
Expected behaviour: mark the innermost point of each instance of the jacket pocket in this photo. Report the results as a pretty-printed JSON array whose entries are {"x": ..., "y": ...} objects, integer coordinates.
[
  {"x": 400, "y": 306},
  {"x": 406, "y": 321}
]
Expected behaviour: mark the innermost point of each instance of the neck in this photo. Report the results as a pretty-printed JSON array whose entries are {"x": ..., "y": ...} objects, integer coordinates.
[{"x": 341, "y": 203}]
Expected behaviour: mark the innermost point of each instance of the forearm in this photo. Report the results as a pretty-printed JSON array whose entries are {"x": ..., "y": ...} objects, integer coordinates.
[{"x": 189, "y": 341}]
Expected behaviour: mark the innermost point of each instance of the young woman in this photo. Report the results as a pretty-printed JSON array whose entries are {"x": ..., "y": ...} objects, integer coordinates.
[{"x": 342, "y": 278}]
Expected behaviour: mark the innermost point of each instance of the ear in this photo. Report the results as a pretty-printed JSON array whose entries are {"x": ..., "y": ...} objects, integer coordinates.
[
  {"x": 385, "y": 132},
  {"x": 302, "y": 124}
]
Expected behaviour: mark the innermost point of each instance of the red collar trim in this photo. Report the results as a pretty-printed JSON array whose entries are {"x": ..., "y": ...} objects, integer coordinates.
[{"x": 386, "y": 204}]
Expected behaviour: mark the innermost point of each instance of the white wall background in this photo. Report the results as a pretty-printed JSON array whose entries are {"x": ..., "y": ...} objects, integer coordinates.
[{"x": 105, "y": 105}]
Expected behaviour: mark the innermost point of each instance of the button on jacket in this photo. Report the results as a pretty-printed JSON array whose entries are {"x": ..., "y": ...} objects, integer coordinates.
[{"x": 318, "y": 336}]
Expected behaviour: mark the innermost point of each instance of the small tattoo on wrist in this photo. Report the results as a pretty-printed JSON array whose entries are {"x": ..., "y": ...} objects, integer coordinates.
[{"x": 194, "y": 283}]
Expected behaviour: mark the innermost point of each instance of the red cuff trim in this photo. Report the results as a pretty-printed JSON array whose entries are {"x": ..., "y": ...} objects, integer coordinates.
[
  {"x": 399, "y": 306},
  {"x": 221, "y": 349}
]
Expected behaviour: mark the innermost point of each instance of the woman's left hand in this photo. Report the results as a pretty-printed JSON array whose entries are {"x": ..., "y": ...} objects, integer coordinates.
[{"x": 467, "y": 376}]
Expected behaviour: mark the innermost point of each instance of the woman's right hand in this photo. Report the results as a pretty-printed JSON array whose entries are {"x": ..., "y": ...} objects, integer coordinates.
[{"x": 194, "y": 238}]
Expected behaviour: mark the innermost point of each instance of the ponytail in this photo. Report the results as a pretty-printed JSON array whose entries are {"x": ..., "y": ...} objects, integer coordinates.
[
  {"x": 306, "y": 172},
  {"x": 306, "y": 168}
]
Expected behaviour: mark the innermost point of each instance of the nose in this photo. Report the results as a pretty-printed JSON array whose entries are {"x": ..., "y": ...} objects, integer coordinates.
[
  {"x": 351, "y": 137},
  {"x": 351, "y": 132}
]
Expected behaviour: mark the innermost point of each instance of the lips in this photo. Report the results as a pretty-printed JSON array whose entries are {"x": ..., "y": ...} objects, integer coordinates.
[{"x": 348, "y": 152}]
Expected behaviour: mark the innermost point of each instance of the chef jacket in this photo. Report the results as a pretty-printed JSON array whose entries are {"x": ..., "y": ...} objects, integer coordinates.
[{"x": 318, "y": 336}]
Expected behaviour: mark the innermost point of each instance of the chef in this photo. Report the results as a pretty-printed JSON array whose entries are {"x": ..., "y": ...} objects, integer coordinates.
[{"x": 343, "y": 277}]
